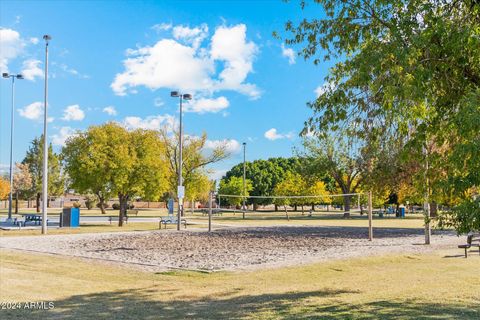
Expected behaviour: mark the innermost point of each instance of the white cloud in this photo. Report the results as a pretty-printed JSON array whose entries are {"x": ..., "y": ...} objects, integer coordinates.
[
  {"x": 217, "y": 174},
  {"x": 34, "y": 40},
  {"x": 66, "y": 69},
  {"x": 31, "y": 70},
  {"x": 168, "y": 64},
  {"x": 150, "y": 123},
  {"x": 158, "y": 102},
  {"x": 61, "y": 137},
  {"x": 288, "y": 53},
  {"x": 185, "y": 63},
  {"x": 34, "y": 111},
  {"x": 230, "y": 45},
  {"x": 272, "y": 134},
  {"x": 110, "y": 110},
  {"x": 327, "y": 86},
  {"x": 193, "y": 36},
  {"x": 11, "y": 46},
  {"x": 73, "y": 113},
  {"x": 231, "y": 145},
  {"x": 204, "y": 105},
  {"x": 162, "y": 27}
]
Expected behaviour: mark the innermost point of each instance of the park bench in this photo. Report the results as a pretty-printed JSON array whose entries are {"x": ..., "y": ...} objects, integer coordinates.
[
  {"x": 171, "y": 219},
  {"x": 132, "y": 212},
  {"x": 215, "y": 211},
  {"x": 473, "y": 240},
  {"x": 115, "y": 218},
  {"x": 31, "y": 217}
]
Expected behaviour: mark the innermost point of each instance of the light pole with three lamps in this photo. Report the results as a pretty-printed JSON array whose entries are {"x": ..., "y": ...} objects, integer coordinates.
[
  {"x": 12, "y": 122},
  {"x": 181, "y": 188}
]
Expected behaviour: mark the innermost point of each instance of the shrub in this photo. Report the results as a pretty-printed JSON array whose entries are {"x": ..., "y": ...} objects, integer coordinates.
[
  {"x": 131, "y": 206},
  {"x": 105, "y": 205},
  {"x": 89, "y": 204},
  {"x": 76, "y": 205},
  {"x": 116, "y": 206}
]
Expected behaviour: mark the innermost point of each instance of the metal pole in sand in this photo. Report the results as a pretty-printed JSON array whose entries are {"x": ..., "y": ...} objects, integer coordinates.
[{"x": 370, "y": 228}]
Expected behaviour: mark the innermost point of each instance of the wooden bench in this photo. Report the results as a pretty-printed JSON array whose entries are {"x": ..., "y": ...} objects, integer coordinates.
[
  {"x": 473, "y": 240},
  {"x": 171, "y": 220}
]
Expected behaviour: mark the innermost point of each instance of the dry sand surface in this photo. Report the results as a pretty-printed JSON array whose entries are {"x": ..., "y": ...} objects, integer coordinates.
[{"x": 234, "y": 248}]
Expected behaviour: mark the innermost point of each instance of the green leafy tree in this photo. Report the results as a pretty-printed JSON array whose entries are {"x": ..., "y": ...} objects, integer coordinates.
[
  {"x": 342, "y": 158},
  {"x": 83, "y": 153},
  {"x": 196, "y": 156},
  {"x": 234, "y": 186},
  {"x": 292, "y": 185},
  {"x": 133, "y": 163},
  {"x": 265, "y": 175},
  {"x": 411, "y": 67},
  {"x": 34, "y": 160}
]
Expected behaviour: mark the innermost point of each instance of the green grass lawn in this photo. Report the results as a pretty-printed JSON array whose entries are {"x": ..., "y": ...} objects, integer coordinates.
[
  {"x": 437, "y": 286},
  {"x": 87, "y": 228}
]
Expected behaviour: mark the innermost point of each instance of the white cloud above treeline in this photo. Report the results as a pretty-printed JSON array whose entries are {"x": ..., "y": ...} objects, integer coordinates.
[
  {"x": 73, "y": 113},
  {"x": 272, "y": 134},
  {"x": 192, "y": 62},
  {"x": 110, "y": 110}
]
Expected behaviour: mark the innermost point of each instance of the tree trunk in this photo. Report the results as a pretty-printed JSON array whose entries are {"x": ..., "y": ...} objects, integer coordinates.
[
  {"x": 48, "y": 202},
  {"x": 38, "y": 201},
  {"x": 397, "y": 210},
  {"x": 313, "y": 207},
  {"x": 101, "y": 202},
  {"x": 295, "y": 208},
  {"x": 433, "y": 209},
  {"x": 286, "y": 212},
  {"x": 16, "y": 202},
  {"x": 346, "y": 202},
  {"x": 276, "y": 208},
  {"x": 303, "y": 211},
  {"x": 123, "y": 208}
]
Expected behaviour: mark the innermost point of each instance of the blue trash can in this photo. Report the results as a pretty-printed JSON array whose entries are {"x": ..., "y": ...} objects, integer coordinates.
[
  {"x": 70, "y": 217},
  {"x": 402, "y": 212}
]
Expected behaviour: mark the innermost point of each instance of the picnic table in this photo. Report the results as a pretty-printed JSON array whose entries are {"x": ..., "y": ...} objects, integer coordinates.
[{"x": 36, "y": 218}]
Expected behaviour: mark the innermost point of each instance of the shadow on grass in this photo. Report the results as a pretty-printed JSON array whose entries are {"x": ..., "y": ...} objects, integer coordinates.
[{"x": 138, "y": 304}]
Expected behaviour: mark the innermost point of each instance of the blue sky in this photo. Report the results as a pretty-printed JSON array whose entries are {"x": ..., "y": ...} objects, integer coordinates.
[{"x": 118, "y": 61}]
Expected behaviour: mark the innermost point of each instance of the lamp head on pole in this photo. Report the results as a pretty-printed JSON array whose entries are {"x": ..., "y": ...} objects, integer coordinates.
[
  {"x": 5, "y": 75},
  {"x": 19, "y": 76},
  {"x": 187, "y": 96},
  {"x": 174, "y": 94},
  {"x": 244, "y": 143},
  {"x": 47, "y": 38}
]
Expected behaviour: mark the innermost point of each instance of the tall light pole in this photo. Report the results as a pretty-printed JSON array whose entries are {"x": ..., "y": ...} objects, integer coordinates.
[
  {"x": 12, "y": 122},
  {"x": 47, "y": 38},
  {"x": 244, "y": 179},
  {"x": 180, "y": 189}
]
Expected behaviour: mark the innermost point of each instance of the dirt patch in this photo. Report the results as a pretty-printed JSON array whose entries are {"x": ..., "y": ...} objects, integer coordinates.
[{"x": 233, "y": 249}]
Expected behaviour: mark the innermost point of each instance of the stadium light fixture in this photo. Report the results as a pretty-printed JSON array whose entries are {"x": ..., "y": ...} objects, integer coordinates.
[{"x": 6, "y": 75}]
